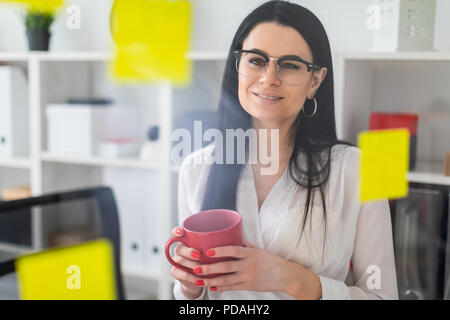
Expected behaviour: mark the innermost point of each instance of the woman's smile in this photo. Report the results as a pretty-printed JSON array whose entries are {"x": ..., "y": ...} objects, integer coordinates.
[{"x": 267, "y": 98}]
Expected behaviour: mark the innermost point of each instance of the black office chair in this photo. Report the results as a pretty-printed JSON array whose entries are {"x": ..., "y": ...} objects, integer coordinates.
[{"x": 109, "y": 220}]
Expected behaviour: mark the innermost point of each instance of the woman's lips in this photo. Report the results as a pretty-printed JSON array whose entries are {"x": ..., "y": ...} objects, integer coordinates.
[{"x": 266, "y": 100}]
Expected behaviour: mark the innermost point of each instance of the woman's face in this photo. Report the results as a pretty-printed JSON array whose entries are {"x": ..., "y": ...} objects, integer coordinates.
[{"x": 276, "y": 41}]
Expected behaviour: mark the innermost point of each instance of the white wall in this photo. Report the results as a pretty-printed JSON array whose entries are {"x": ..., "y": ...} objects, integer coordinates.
[
  {"x": 215, "y": 22},
  {"x": 93, "y": 35}
]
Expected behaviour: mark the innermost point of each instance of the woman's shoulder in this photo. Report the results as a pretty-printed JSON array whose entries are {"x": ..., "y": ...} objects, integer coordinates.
[
  {"x": 344, "y": 167},
  {"x": 343, "y": 179},
  {"x": 202, "y": 156},
  {"x": 198, "y": 160},
  {"x": 342, "y": 155}
]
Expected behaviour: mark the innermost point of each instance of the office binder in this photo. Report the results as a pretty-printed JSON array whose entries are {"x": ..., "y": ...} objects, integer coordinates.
[{"x": 14, "y": 136}]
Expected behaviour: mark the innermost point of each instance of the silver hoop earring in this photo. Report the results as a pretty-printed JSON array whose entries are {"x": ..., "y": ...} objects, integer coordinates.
[{"x": 315, "y": 109}]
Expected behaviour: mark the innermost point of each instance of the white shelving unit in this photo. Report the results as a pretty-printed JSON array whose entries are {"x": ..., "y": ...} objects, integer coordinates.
[
  {"x": 398, "y": 82},
  {"x": 43, "y": 68},
  {"x": 19, "y": 163}
]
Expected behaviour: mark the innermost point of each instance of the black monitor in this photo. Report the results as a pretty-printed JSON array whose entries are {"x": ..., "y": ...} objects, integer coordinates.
[{"x": 447, "y": 259}]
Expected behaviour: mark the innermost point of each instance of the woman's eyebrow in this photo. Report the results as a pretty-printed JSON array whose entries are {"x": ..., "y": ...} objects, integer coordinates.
[{"x": 265, "y": 53}]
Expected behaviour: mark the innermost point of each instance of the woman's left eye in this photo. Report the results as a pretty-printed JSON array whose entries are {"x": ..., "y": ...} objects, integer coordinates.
[{"x": 287, "y": 65}]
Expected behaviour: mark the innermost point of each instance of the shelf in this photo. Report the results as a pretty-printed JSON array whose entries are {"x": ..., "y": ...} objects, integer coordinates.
[
  {"x": 16, "y": 162},
  {"x": 14, "y": 248},
  {"x": 218, "y": 55},
  {"x": 405, "y": 56},
  {"x": 428, "y": 172},
  {"x": 73, "y": 56},
  {"x": 95, "y": 56},
  {"x": 14, "y": 56},
  {"x": 129, "y": 163}
]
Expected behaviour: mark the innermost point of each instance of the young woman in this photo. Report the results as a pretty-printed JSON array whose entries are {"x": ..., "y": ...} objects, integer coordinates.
[{"x": 307, "y": 236}]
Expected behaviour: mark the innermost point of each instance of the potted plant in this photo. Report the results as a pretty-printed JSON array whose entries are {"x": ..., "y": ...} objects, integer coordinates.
[
  {"x": 38, "y": 16},
  {"x": 37, "y": 26}
]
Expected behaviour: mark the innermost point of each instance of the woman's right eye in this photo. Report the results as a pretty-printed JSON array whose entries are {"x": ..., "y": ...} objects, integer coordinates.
[{"x": 257, "y": 61}]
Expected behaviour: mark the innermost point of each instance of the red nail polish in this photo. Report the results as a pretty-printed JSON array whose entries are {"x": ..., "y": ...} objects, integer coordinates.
[
  {"x": 195, "y": 254},
  {"x": 178, "y": 231},
  {"x": 213, "y": 288},
  {"x": 199, "y": 283},
  {"x": 210, "y": 252},
  {"x": 198, "y": 270}
]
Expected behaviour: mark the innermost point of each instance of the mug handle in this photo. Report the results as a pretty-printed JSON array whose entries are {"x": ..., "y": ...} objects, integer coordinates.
[{"x": 169, "y": 258}]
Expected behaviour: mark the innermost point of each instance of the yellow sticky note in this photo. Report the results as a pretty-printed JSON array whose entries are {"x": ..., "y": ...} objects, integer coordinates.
[
  {"x": 152, "y": 39},
  {"x": 40, "y": 5},
  {"x": 383, "y": 164},
  {"x": 80, "y": 272}
]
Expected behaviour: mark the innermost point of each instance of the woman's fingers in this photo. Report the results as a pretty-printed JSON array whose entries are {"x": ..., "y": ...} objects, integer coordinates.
[
  {"x": 185, "y": 251},
  {"x": 182, "y": 249},
  {"x": 229, "y": 251},
  {"x": 219, "y": 267},
  {"x": 249, "y": 245},
  {"x": 177, "y": 231},
  {"x": 186, "y": 278},
  {"x": 187, "y": 257},
  {"x": 225, "y": 280},
  {"x": 186, "y": 262}
]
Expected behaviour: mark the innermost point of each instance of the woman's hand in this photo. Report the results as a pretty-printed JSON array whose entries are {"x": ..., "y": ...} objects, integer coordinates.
[
  {"x": 259, "y": 270},
  {"x": 187, "y": 257}
]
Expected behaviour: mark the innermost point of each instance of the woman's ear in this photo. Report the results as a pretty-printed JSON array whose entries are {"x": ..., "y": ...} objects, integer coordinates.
[{"x": 318, "y": 77}]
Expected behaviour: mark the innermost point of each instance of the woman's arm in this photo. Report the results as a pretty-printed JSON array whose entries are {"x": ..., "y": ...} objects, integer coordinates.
[
  {"x": 259, "y": 270},
  {"x": 374, "y": 273},
  {"x": 373, "y": 259},
  {"x": 303, "y": 284}
]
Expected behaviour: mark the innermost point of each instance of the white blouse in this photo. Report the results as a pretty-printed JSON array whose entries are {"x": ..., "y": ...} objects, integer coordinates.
[{"x": 360, "y": 233}]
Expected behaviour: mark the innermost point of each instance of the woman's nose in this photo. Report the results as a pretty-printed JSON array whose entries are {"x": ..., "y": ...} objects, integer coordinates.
[{"x": 270, "y": 74}]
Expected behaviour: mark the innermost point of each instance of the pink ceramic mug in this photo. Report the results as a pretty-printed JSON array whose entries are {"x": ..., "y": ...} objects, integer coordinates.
[{"x": 209, "y": 229}]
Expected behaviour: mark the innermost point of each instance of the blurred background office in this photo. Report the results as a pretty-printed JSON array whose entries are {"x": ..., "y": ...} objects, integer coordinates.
[{"x": 65, "y": 125}]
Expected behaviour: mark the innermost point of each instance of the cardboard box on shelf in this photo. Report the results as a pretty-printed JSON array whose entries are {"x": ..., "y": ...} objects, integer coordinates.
[
  {"x": 16, "y": 193},
  {"x": 70, "y": 237},
  {"x": 14, "y": 140},
  {"x": 447, "y": 165}
]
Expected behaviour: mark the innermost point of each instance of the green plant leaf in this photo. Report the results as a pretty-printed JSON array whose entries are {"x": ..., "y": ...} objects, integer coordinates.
[{"x": 38, "y": 21}]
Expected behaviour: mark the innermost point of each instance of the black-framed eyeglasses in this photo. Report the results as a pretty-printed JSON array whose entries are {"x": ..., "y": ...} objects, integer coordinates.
[{"x": 291, "y": 69}]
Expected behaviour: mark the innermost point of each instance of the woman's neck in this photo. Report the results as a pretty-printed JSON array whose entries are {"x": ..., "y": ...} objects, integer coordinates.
[{"x": 280, "y": 143}]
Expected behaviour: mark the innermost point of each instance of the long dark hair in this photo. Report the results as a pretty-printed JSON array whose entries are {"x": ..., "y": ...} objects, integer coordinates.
[{"x": 313, "y": 138}]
